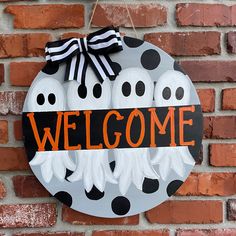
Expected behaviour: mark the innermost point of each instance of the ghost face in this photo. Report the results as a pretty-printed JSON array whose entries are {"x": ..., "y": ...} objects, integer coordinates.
[
  {"x": 93, "y": 95},
  {"x": 46, "y": 94},
  {"x": 132, "y": 88},
  {"x": 172, "y": 89}
]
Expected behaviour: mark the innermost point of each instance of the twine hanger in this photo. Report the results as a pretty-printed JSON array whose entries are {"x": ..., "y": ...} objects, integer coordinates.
[{"x": 127, "y": 9}]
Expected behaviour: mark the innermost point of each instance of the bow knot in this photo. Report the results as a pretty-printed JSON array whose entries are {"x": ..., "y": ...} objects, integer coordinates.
[{"x": 93, "y": 50}]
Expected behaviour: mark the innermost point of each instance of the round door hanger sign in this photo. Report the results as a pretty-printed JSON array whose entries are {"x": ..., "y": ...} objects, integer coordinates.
[{"x": 112, "y": 124}]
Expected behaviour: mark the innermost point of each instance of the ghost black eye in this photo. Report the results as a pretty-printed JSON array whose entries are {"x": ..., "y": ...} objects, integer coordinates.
[
  {"x": 97, "y": 90},
  {"x": 52, "y": 98},
  {"x": 126, "y": 89},
  {"x": 82, "y": 91},
  {"x": 179, "y": 93},
  {"x": 40, "y": 99},
  {"x": 166, "y": 93},
  {"x": 140, "y": 88}
]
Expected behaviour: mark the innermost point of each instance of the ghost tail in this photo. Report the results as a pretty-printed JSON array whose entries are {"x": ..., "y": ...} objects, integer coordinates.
[
  {"x": 53, "y": 163},
  {"x": 172, "y": 158},
  {"x": 93, "y": 168},
  {"x": 132, "y": 166}
]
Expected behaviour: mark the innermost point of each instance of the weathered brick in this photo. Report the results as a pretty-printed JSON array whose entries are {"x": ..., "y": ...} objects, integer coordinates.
[
  {"x": 18, "y": 130},
  {"x": 231, "y": 209},
  {"x": 175, "y": 212},
  {"x": 13, "y": 159},
  {"x": 231, "y": 42},
  {"x": 229, "y": 99},
  {"x": 206, "y": 232},
  {"x": 11, "y": 102},
  {"x": 195, "y": 14},
  {"x": 75, "y": 217},
  {"x": 2, "y": 190},
  {"x": 23, "y": 45},
  {"x": 23, "y": 187},
  {"x": 209, "y": 184},
  {"x": 27, "y": 215},
  {"x": 143, "y": 15},
  {"x": 49, "y": 234},
  {"x": 207, "y": 99},
  {"x": 1, "y": 73},
  {"x": 23, "y": 73},
  {"x": 210, "y": 71},
  {"x": 186, "y": 43},
  {"x": 47, "y": 16},
  {"x": 164, "y": 232},
  {"x": 3, "y": 131},
  {"x": 222, "y": 154}
]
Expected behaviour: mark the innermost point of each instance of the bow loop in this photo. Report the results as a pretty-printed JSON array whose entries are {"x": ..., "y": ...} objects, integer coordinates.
[{"x": 93, "y": 50}]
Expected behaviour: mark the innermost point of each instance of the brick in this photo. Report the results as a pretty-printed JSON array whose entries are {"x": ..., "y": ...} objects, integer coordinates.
[
  {"x": 209, "y": 184},
  {"x": 1, "y": 73},
  {"x": 229, "y": 99},
  {"x": 23, "y": 73},
  {"x": 231, "y": 42},
  {"x": 164, "y": 232},
  {"x": 13, "y": 159},
  {"x": 23, "y": 187},
  {"x": 2, "y": 190},
  {"x": 210, "y": 71},
  {"x": 195, "y": 14},
  {"x": 143, "y": 15},
  {"x": 72, "y": 35},
  {"x": 231, "y": 209},
  {"x": 222, "y": 154},
  {"x": 206, "y": 232},
  {"x": 23, "y": 45},
  {"x": 207, "y": 99},
  {"x": 11, "y": 102},
  {"x": 3, "y": 131},
  {"x": 27, "y": 215},
  {"x": 49, "y": 234},
  {"x": 18, "y": 130},
  {"x": 47, "y": 16},
  {"x": 220, "y": 127},
  {"x": 77, "y": 218},
  {"x": 175, "y": 212},
  {"x": 186, "y": 43}
]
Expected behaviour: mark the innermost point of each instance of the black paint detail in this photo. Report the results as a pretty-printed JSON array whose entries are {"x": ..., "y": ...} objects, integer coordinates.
[
  {"x": 179, "y": 94},
  {"x": 112, "y": 165},
  {"x": 126, "y": 89},
  {"x": 166, "y": 93},
  {"x": 150, "y": 59},
  {"x": 133, "y": 42},
  {"x": 68, "y": 173},
  {"x": 52, "y": 98},
  {"x": 50, "y": 68},
  {"x": 178, "y": 68},
  {"x": 173, "y": 187},
  {"x": 82, "y": 91},
  {"x": 64, "y": 197},
  {"x": 140, "y": 88},
  {"x": 97, "y": 90},
  {"x": 116, "y": 68},
  {"x": 150, "y": 185},
  {"x": 94, "y": 194},
  {"x": 120, "y": 205},
  {"x": 40, "y": 99}
]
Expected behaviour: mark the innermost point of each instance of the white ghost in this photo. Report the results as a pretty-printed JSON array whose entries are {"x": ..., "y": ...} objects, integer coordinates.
[
  {"x": 172, "y": 89},
  {"x": 133, "y": 88},
  {"x": 47, "y": 95},
  {"x": 92, "y": 165}
]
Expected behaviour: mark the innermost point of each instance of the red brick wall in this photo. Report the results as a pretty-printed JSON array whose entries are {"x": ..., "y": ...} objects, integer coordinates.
[{"x": 202, "y": 37}]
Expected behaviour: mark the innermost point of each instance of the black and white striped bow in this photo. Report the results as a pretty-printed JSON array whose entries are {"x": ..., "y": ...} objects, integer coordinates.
[{"x": 79, "y": 52}]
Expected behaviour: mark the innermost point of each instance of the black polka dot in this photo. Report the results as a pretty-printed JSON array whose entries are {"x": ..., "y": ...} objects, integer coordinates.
[
  {"x": 94, "y": 194},
  {"x": 178, "y": 68},
  {"x": 173, "y": 186},
  {"x": 179, "y": 93},
  {"x": 120, "y": 205},
  {"x": 150, "y": 59},
  {"x": 166, "y": 93},
  {"x": 50, "y": 68},
  {"x": 112, "y": 165},
  {"x": 64, "y": 197},
  {"x": 97, "y": 90},
  {"x": 126, "y": 89},
  {"x": 51, "y": 98},
  {"x": 82, "y": 91},
  {"x": 140, "y": 88},
  {"x": 133, "y": 42},
  {"x": 40, "y": 99},
  {"x": 150, "y": 185}
]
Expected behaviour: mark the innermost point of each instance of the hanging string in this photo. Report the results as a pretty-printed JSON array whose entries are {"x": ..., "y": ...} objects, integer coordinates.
[{"x": 127, "y": 9}]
